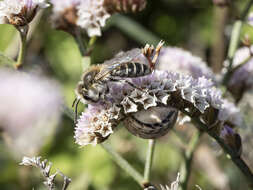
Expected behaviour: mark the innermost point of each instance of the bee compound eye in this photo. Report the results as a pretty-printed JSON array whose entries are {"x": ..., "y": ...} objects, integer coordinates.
[{"x": 152, "y": 123}]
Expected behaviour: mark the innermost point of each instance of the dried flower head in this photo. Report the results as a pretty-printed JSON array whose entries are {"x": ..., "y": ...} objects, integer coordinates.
[
  {"x": 29, "y": 105},
  {"x": 113, "y": 6},
  {"x": 20, "y": 12},
  {"x": 45, "y": 169},
  {"x": 178, "y": 60},
  {"x": 92, "y": 16}
]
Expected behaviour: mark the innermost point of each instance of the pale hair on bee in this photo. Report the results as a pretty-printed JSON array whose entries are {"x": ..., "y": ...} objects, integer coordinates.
[{"x": 93, "y": 85}]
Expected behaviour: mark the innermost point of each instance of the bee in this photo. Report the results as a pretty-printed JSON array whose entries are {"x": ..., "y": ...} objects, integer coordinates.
[
  {"x": 152, "y": 123},
  {"x": 93, "y": 85}
]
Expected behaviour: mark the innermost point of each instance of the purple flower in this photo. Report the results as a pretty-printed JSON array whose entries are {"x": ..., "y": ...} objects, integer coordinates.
[
  {"x": 229, "y": 113},
  {"x": 241, "y": 80},
  {"x": 30, "y": 109},
  {"x": 175, "y": 59},
  {"x": 232, "y": 139},
  {"x": 161, "y": 89},
  {"x": 96, "y": 124}
]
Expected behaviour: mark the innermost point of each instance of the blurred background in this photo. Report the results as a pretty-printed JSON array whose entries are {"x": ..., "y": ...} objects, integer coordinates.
[{"x": 195, "y": 25}]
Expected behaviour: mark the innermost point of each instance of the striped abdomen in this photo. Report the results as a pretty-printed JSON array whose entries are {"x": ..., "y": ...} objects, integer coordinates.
[{"x": 131, "y": 70}]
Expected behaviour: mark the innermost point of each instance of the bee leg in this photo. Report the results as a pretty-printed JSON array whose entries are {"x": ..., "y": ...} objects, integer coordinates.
[
  {"x": 157, "y": 52},
  {"x": 129, "y": 83}
]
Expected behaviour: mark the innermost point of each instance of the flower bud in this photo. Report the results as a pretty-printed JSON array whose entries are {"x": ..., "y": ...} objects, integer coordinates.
[
  {"x": 232, "y": 139},
  {"x": 113, "y": 6}
]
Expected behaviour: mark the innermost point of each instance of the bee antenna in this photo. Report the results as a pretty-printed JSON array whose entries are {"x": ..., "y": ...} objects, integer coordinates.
[{"x": 74, "y": 102}]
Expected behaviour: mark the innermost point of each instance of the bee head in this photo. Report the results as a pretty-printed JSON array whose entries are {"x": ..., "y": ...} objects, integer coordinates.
[
  {"x": 91, "y": 94},
  {"x": 88, "y": 77}
]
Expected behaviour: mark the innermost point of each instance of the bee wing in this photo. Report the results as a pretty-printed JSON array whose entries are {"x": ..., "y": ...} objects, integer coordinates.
[{"x": 120, "y": 59}]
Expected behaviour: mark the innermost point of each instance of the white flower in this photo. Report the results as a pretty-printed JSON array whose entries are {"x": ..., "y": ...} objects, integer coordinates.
[
  {"x": 95, "y": 124},
  {"x": 29, "y": 105},
  {"x": 150, "y": 101},
  {"x": 20, "y": 12},
  {"x": 138, "y": 95},
  {"x": 128, "y": 105},
  {"x": 162, "y": 96},
  {"x": 92, "y": 16}
]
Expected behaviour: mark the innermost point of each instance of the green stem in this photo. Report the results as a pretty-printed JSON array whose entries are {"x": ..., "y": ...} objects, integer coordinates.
[
  {"x": 238, "y": 161},
  {"x": 185, "y": 168},
  {"x": 116, "y": 157},
  {"x": 22, "y": 51},
  {"x": 124, "y": 164},
  {"x": 234, "y": 41},
  {"x": 80, "y": 42},
  {"x": 149, "y": 160},
  {"x": 134, "y": 30},
  {"x": 92, "y": 41}
]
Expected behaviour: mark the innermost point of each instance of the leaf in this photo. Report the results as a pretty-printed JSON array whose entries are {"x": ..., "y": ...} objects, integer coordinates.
[{"x": 6, "y": 61}]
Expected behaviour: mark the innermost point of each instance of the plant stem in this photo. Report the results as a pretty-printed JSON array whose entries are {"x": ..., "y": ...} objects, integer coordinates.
[
  {"x": 22, "y": 51},
  {"x": 149, "y": 160},
  {"x": 234, "y": 41},
  {"x": 134, "y": 30},
  {"x": 238, "y": 161},
  {"x": 80, "y": 41},
  {"x": 124, "y": 164},
  {"x": 185, "y": 169},
  {"x": 116, "y": 157}
]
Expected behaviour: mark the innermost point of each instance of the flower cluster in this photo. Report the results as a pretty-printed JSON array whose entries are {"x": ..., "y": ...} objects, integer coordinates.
[
  {"x": 175, "y": 59},
  {"x": 96, "y": 124},
  {"x": 92, "y": 15},
  {"x": 197, "y": 97},
  {"x": 29, "y": 105},
  {"x": 20, "y": 12}
]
